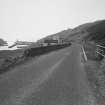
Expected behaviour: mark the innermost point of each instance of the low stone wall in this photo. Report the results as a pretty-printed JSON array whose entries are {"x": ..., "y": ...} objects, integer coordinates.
[{"x": 42, "y": 50}]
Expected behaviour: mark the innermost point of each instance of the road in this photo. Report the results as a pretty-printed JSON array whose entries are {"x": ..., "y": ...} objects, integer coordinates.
[{"x": 57, "y": 78}]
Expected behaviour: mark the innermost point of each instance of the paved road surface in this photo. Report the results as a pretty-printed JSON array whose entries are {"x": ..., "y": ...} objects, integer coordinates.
[{"x": 57, "y": 78}]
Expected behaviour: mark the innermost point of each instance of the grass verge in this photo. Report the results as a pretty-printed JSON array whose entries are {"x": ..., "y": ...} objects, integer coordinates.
[{"x": 96, "y": 77}]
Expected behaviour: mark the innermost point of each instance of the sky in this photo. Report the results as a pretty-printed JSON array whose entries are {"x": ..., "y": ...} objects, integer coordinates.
[{"x": 31, "y": 20}]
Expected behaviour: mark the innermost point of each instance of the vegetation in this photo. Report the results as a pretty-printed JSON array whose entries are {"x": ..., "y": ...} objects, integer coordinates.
[{"x": 9, "y": 59}]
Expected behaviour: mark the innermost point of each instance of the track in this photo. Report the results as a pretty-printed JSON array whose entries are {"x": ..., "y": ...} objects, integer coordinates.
[{"x": 57, "y": 78}]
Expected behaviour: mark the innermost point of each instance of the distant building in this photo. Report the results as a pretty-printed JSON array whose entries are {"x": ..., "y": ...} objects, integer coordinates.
[{"x": 50, "y": 42}]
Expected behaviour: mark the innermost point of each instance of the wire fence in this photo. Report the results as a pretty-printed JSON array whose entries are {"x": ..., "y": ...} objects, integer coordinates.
[
  {"x": 100, "y": 51},
  {"x": 100, "y": 46}
]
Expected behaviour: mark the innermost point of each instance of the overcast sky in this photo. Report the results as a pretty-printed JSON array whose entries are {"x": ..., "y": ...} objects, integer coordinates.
[{"x": 34, "y": 19}]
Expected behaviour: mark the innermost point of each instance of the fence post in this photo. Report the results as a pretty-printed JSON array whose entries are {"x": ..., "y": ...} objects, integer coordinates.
[{"x": 85, "y": 57}]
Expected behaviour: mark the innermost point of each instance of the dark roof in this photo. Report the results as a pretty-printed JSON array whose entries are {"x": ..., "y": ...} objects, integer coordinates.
[{"x": 51, "y": 41}]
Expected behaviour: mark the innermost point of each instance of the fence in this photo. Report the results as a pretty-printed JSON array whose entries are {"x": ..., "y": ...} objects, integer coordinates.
[{"x": 100, "y": 50}]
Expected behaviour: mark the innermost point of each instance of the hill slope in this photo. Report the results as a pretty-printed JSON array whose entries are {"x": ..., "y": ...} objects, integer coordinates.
[{"x": 89, "y": 31}]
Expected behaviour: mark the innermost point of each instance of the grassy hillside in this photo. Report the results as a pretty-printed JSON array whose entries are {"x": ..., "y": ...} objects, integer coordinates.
[
  {"x": 8, "y": 58},
  {"x": 96, "y": 31},
  {"x": 90, "y": 31},
  {"x": 63, "y": 34}
]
